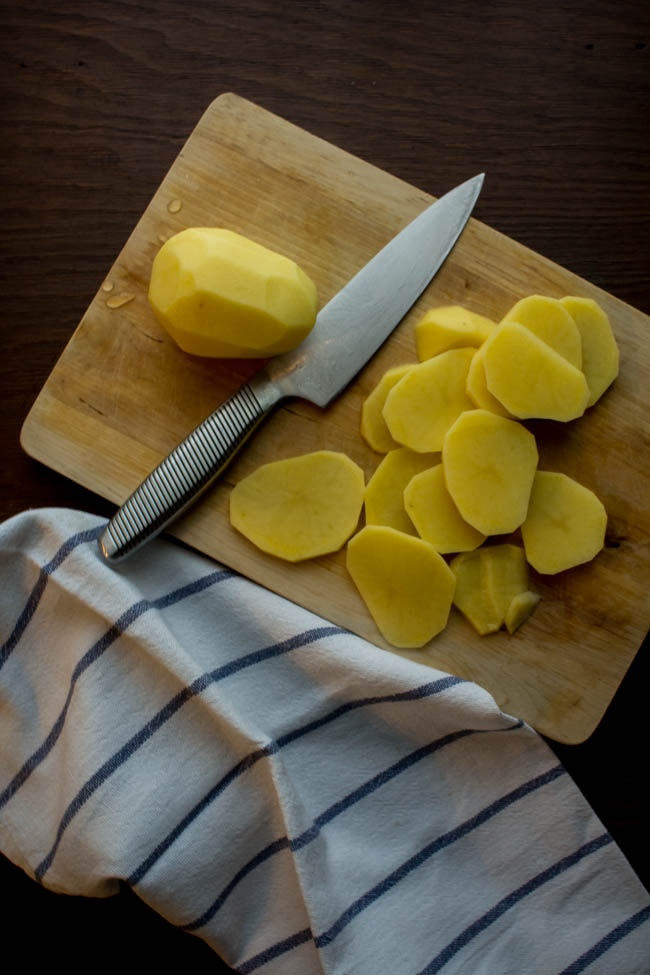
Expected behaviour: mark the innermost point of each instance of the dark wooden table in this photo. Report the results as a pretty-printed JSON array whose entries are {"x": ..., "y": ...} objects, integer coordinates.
[{"x": 551, "y": 100}]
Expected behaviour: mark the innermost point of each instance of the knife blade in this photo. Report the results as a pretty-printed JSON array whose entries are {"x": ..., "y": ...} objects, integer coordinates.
[{"x": 348, "y": 331}]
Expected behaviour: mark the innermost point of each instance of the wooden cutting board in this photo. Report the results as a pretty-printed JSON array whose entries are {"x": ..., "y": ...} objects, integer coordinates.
[{"x": 122, "y": 395}]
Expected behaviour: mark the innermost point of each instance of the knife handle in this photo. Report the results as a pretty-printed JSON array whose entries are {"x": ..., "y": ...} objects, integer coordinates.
[{"x": 188, "y": 470}]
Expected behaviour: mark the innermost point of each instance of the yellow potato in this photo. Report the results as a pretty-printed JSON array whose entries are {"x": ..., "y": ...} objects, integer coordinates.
[
  {"x": 520, "y": 608},
  {"x": 300, "y": 507},
  {"x": 219, "y": 294},
  {"x": 477, "y": 389},
  {"x": 406, "y": 585},
  {"x": 373, "y": 426},
  {"x": 435, "y": 515},
  {"x": 471, "y": 596},
  {"x": 450, "y": 327},
  {"x": 549, "y": 321},
  {"x": 384, "y": 495},
  {"x": 492, "y": 587},
  {"x": 565, "y": 525},
  {"x": 599, "y": 348},
  {"x": 506, "y": 575},
  {"x": 489, "y": 464},
  {"x": 422, "y": 406},
  {"x": 529, "y": 378}
]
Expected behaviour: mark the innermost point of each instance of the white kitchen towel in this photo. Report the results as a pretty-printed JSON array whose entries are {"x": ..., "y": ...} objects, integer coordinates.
[{"x": 303, "y": 801}]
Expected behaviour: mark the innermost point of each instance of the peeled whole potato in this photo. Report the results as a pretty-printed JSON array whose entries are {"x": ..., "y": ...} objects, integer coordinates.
[
  {"x": 599, "y": 348},
  {"x": 384, "y": 495},
  {"x": 450, "y": 327},
  {"x": 422, "y": 406},
  {"x": 219, "y": 294},
  {"x": 489, "y": 464},
  {"x": 549, "y": 321},
  {"x": 300, "y": 507},
  {"x": 530, "y": 378},
  {"x": 373, "y": 426},
  {"x": 565, "y": 525},
  {"x": 406, "y": 585},
  {"x": 435, "y": 516}
]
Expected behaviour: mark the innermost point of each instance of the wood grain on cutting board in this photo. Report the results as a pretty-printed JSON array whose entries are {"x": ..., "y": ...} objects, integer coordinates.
[{"x": 122, "y": 395}]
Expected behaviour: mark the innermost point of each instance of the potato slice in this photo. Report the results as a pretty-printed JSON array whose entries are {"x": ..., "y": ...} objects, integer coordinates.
[
  {"x": 384, "y": 496},
  {"x": 565, "y": 525},
  {"x": 489, "y": 464},
  {"x": 406, "y": 585},
  {"x": 425, "y": 402},
  {"x": 219, "y": 294},
  {"x": 599, "y": 348},
  {"x": 530, "y": 378},
  {"x": 450, "y": 327},
  {"x": 436, "y": 517},
  {"x": 477, "y": 389},
  {"x": 551, "y": 322},
  {"x": 520, "y": 608},
  {"x": 373, "y": 426},
  {"x": 471, "y": 596},
  {"x": 300, "y": 507}
]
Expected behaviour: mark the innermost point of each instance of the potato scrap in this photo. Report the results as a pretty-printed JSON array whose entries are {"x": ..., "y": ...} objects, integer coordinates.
[
  {"x": 406, "y": 585},
  {"x": 492, "y": 588},
  {"x": 489, "y": 464},
  {"x": 384, "y": 495},
  {"x": 435, "y": 516},
  {"x": 301, "y": 507},
  {"x": 565, "y": 525}
]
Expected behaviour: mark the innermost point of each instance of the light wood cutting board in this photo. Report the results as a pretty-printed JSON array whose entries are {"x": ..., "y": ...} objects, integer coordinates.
[{"x": 122, "y": 395}]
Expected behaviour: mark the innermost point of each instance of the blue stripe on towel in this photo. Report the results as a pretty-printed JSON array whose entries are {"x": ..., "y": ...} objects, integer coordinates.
[
  {"x": 411, "y": 864},
  {"x": 159, "y": 719},
  {"x": 365, "y": 789},
  {"x": 607, "y": 942},
  {"x": 281, "y": 948},
  {"x": 511, "y": 900},
  {"x": 93, "y": 654},
  {"x": 423, "y": 690},
  {"x": 34, "y": 598}
]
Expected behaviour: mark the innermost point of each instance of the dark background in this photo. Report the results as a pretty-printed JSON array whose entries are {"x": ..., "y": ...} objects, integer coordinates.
[{"x": 551, "y": 100}]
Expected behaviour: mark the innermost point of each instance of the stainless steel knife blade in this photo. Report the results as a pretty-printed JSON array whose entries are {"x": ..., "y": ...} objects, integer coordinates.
[{"x": 347, "y": 332}]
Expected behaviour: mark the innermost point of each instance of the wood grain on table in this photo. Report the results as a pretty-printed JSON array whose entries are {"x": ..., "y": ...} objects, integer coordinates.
[{"x": 551, "y": 101}]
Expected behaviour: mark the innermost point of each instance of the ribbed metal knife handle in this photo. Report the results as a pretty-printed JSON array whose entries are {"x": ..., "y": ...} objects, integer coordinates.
[{"x": 186, "y": 471}]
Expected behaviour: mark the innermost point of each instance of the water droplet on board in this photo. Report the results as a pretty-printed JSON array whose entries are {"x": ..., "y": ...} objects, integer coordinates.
[
  {"x": 108, "y": 286},
  {"x": 116, "y": 301},
  {"x": 174, "y": 206}
]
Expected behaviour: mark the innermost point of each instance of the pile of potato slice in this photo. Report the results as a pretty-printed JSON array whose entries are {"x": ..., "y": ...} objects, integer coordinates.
[{"x": 460, "y": 468}]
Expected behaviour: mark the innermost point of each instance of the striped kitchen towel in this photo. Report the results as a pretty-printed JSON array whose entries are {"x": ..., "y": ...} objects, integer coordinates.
[{"x": 303, "y": 801}]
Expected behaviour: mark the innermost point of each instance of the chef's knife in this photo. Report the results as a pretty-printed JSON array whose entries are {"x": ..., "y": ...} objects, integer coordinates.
[{"x": 347, "y": 332}]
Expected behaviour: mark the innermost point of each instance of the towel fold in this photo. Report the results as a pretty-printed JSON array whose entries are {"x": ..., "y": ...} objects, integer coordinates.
[{"x": 303, "y": 801}]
